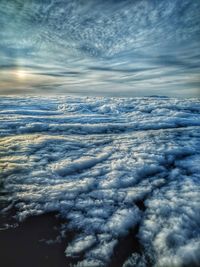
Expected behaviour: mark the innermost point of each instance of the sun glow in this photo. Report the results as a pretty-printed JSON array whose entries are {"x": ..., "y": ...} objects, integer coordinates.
[{"x": 21, "y": 74}]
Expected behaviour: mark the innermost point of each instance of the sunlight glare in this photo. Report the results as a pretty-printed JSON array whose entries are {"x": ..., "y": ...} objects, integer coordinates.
[{"x": 21, "y": 74}]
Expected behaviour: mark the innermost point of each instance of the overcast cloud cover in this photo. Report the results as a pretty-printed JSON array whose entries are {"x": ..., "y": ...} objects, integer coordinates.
[
  {"x": 129, "y": 47},
  {"x": 107, "y": 165},
  {"x": 115, "y": 169}
]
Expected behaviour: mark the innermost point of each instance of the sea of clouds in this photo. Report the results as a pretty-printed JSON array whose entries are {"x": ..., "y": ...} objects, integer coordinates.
[{"x": 107, "y": 165}]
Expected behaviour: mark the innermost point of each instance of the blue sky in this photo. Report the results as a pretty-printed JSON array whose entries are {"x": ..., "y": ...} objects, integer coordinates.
[{"x": 117, "y": 48}]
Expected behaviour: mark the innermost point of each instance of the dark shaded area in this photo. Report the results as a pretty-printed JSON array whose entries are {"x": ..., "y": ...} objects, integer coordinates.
[
  {"x": 23, "y": 246},
  {"x": 140, "y": 204},
  {"x": 129, "y": 244},
  {"x": 125, "y": 247}
]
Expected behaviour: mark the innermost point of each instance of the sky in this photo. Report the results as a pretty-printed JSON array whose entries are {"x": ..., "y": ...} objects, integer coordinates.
[{"x": 106, "y": 48}]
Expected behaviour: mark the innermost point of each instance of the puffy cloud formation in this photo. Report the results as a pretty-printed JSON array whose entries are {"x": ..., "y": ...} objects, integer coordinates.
[{"x": 109, "y": 167}]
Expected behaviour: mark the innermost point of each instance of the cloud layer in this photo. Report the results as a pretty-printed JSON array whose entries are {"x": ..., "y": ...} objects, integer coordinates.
[
  {"x": 107, "y": 166},
  {"x": 114, "y": 47}
]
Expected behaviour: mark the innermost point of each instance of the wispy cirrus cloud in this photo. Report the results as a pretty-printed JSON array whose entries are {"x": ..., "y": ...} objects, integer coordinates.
[{"x": 86, "y": 43}]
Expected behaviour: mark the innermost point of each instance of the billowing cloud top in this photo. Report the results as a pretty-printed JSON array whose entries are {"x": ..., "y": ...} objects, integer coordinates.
[
  {"x": 115, "y": 47},
  {"x": 107, "y": 165}
]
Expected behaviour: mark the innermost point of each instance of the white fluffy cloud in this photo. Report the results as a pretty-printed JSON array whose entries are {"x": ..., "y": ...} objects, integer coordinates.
[{"x": 107, "y": 166}]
